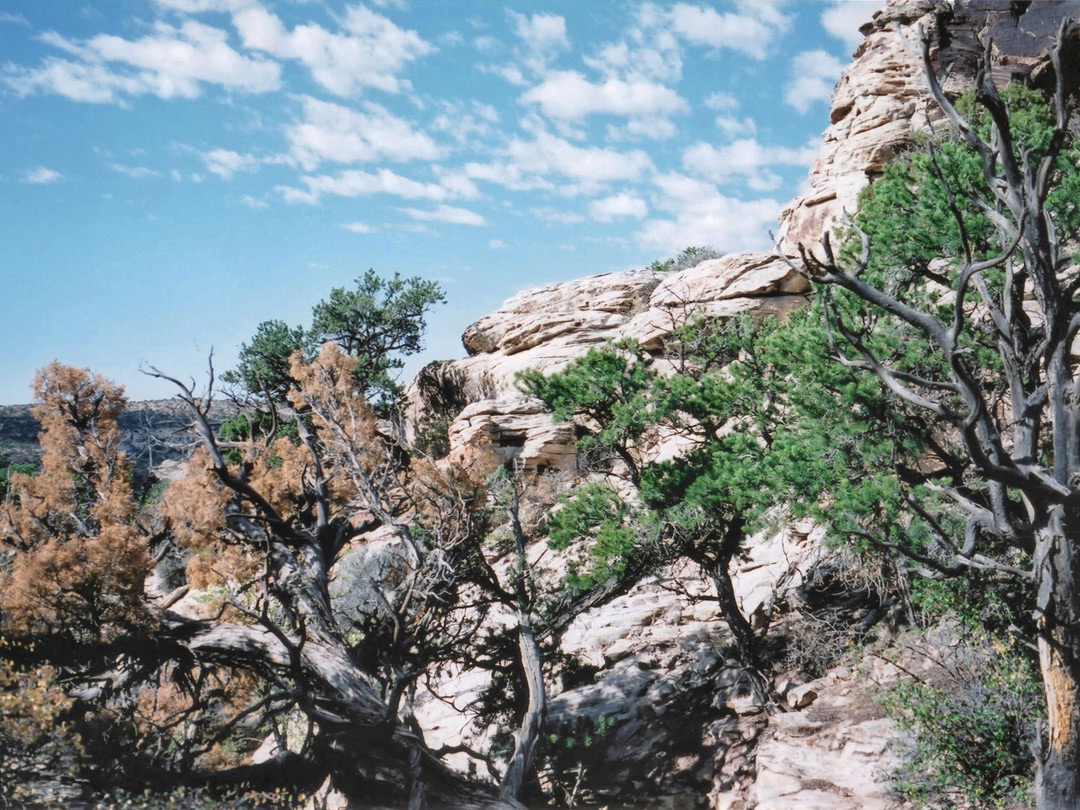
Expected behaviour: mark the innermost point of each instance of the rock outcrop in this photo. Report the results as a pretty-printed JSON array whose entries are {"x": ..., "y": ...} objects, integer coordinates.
[
  {"x": 881, "y": 99},
  {"x": 548, "y": 327}
]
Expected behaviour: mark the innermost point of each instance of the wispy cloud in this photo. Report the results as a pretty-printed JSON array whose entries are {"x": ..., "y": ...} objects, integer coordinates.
[
  {"x": 446, "y": 213},
  {"x": 134, "y": 172},
  {"x": 370, "y": 50},
  {"x": 169, "y": 63},
  {"x": 543, "y": 37},
  {"x": 41, "y": 176},
  {"x": 813, "y": 77},
  {"x": 618, "y": 206},
  {"x": 331, "y": 132},
  {"x": 700, "y": 215},
  {"x": 225, "y": 163},
  {"x": 569, "y": 95},
  {"x": 745, "y": 160},
  {"x": 751, "y": 29},
  {"x": 356, "y": 183},
  {"x": 844, "y": 18}
]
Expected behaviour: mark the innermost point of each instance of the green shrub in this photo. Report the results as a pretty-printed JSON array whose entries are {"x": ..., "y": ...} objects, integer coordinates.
[
  {"x": 689, "y": 257},
  {"x": 971, "y": 722}
]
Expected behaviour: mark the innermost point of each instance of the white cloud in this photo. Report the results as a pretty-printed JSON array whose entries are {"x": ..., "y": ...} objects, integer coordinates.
[
  {"x": 505, "y": 174},
  {"x": 736, "y": 127},
  {"x": 558, "y": 215},
  {"x": 496, "y": 244},
  {"x": 700, "y": 215},
  {"x": 89, "y": 83},
  {"x": 15, "y": 19},
  {"x": 199, "y": 6},
  {"x": 527, "y": 165},
  {"x": 548, "y": 154},
  {"x": 566, "y": 94},
  {"x": 134, "y": 172},
  {"x": 653, "y": 55},
  {"x": 845, "y": 17},
  {"x": 721, "y": 102},
  {"x": 750, "y": 30},
  {"x": 727, "y": 122},
  {"x": 543, "y": 37},
  {"x": 358, "y": 227},
  {"x": 448, "y": 214},
  {"x": 618, "y": 206},
  {"x": 486, "y": 43},
  {"x": 171, "y": 62},
  {"x": 456, "y": 182},
  {"x": 355, "y": 183},
  {"x": 541, "y": 32},
  {"x": 509, "y": 73},
  {"x": 41, "y": 175},
  {"x": 371, "y": 52},
  {"x": 814, "y": 75},
  {"x": 466, "y": 124},
  {"x": 745, "y": 160},
  {"x": 254, "y": 203},
  {"x": 330, "y": 132},
  {"x": 225, "y": 163},
  {"x": 656, "y": 129},
  {"x": 452, "y": 39}
]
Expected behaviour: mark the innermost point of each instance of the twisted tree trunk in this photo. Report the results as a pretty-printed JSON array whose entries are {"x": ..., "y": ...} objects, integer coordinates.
[{"x": 1058, "y": 580}]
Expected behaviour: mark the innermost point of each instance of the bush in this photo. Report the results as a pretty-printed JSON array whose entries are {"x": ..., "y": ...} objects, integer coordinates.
[
  {"x": 971, "y": 723},
  {"x": 689, "y": 257}
]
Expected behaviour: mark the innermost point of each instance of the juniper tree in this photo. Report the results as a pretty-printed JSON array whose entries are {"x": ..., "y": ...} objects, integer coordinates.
[{"x": 960, "y": 299}]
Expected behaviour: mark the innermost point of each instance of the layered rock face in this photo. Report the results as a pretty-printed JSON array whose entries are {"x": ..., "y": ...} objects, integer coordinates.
[
  {"x": 881, "y": 99},
  {"x": 546, "y": 328}
]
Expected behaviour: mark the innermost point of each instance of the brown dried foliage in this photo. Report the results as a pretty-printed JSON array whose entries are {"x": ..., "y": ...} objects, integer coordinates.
[
  {"x": 76, "y": 559},
  {"x": 36, "y": 742},
  {"x": 195, "y": 508},
  {"x": 344, "y": 422}
]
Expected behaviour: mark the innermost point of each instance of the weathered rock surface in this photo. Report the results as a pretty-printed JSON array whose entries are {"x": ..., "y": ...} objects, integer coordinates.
[
  {"x": 548, "y": 327},
  {"x": 834, "y": 754},
  {"x": 881, "y": 99}
]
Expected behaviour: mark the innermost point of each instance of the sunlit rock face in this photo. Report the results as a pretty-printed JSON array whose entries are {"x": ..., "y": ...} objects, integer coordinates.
[
  {"x": 881, "y": 99},
  {"x": 548, "y": 327}
]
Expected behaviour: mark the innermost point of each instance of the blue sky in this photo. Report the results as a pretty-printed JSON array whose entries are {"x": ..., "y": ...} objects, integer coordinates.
[{"x": 174, "y": 172}]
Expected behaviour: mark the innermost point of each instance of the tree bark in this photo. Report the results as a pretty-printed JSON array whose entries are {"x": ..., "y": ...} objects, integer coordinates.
[
  {"x": 746, "y": 642},
  {"x": 527, "y": 735},
  {"x": 1058, "y": 614}
]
